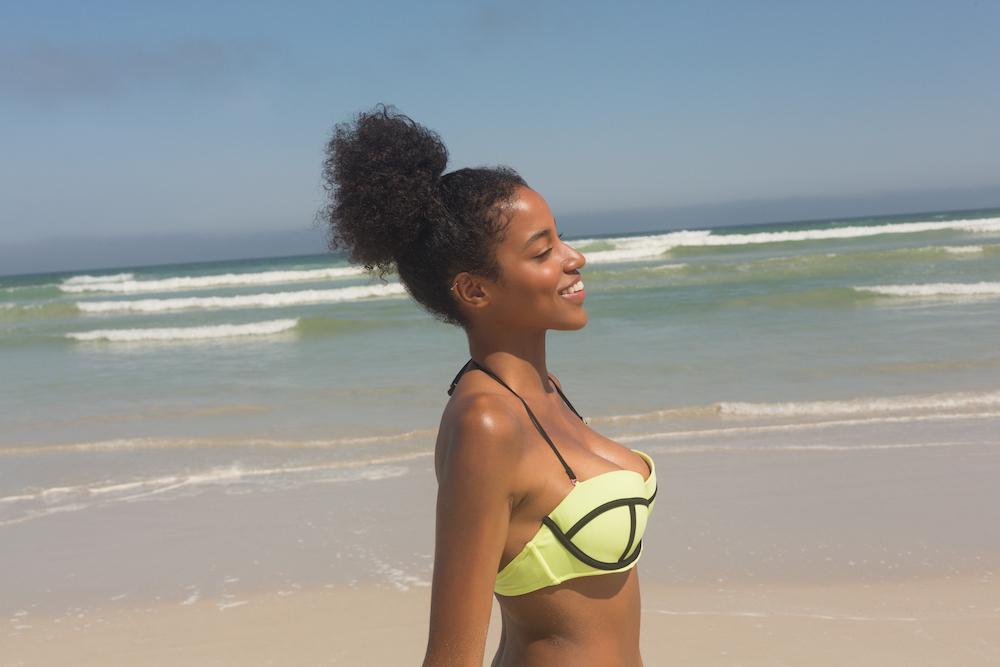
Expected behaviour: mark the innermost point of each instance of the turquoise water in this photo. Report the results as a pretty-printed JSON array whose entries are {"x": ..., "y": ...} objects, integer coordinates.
[{"x": 120, "y": 386}]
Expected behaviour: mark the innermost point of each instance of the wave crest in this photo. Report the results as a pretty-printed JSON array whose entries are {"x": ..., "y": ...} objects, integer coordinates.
[
  {"x": 649, "y": 247},
  {"x": 265, "y": 300},
  {"x": 126, "y": 284},
  {"x": 935, "y": 289},
  {"x": 187, "y": 333}
]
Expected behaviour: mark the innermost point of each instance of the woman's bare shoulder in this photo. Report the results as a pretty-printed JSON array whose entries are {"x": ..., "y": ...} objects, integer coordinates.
[{"x": 480, "y": 430}]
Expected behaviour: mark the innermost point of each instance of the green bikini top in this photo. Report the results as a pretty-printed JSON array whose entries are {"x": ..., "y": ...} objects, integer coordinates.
[{"x": 596, "y": 529}]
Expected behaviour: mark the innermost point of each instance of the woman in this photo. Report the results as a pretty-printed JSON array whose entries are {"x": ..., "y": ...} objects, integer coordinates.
[{"x": 533, "y": 506}]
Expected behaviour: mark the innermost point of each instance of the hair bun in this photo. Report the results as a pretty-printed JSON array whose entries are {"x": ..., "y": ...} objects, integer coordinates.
[{"x": 383, "y": 172}]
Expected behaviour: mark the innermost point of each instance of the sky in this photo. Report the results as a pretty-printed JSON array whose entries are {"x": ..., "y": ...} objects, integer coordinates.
[{"x": 133, "y": 126}]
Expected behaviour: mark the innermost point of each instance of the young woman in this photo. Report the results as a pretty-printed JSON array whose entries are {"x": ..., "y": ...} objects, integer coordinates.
[{"x": 533, "y": 506}]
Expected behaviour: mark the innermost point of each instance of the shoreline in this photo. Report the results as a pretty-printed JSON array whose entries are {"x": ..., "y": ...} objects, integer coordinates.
[
  {"x": 723, "y": 515},
  {"x": 881, "y": 551}
]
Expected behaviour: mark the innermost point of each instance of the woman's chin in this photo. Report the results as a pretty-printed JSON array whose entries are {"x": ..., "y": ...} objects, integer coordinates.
[{"x": 580, "y": 323}]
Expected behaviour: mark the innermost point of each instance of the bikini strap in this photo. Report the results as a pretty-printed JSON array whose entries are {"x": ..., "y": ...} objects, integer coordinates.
[
  {"x": 565, "y": 400},
  {"x": 454, "y": 383},
  {"x": 534, "y": 420}
]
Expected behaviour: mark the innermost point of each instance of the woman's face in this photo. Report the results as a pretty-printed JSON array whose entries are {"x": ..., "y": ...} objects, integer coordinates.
[{"x": 540, "y": 285}]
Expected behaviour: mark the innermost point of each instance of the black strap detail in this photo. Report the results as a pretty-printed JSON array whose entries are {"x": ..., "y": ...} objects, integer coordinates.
[
  {"x": 584, "y": 558},
  {"x": 601, "y": 509},
  {"x": 454, "y": 383},
  {"x": 566, "y": 538},
  {"x": 631, "y": 534},
  {"x": 476, "y": 366},
  {"x": 565, "y": 400}
]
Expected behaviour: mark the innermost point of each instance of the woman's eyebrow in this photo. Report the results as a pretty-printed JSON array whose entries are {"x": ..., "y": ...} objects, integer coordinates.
[{"x": 538, "y": 235}]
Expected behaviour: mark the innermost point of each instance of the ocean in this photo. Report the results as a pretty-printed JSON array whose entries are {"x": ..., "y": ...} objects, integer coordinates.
[
  {"x": 125, "y": 385},
  {"x": 127, "y": 392}
]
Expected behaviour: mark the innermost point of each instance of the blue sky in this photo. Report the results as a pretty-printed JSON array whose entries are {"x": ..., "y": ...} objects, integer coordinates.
[{"x": 167, "y": 118}]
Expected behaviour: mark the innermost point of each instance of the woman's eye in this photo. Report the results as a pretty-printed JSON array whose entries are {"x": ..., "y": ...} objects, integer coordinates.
[{"x": 544, "y": 254}]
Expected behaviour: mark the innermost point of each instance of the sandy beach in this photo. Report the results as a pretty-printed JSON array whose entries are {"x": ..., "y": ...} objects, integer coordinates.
[
  {"x": 925, "y": 622},
  {"x": 880, "y": 555}
]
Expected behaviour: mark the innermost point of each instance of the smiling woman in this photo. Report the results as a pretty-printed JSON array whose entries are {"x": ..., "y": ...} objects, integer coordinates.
[
  {"x": 478, "y": 248},
  {"x": 540, "y": 271}
]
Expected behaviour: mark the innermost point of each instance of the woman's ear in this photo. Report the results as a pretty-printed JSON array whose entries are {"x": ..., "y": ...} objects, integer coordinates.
[{"x": 469, "y": 290}]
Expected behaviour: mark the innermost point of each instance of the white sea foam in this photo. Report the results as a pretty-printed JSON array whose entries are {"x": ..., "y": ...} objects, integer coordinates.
[
  {"x": 265, "y": 300},
  {"x": 98, "y": 280},
  {"x": 816, "y": 425},
  {"x": 861, "y": 405},
  {"x": 397, "y": 578},
  {"x": 127, "y": 285},
  {"x": 222, "y": 606},
  {"x": 648, "y": 247},
  {"x": 80, "y": 497},
  {"x": 335, "y": 471},
  {"x": 817, "y": 409},
  {"x": 935, "y": 289},
  {"x": 641, "y": 247},
  {"x": 187, "y": 333},
  {"x": 176, "y": 443},
  {"x": 962, "y": 249}
]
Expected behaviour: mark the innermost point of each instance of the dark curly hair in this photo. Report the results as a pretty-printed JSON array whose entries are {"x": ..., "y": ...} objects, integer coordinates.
[{"x": 391, "y": 205}]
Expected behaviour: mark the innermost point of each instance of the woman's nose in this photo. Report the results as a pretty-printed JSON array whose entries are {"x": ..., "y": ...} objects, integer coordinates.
[{"x": 575, "y": 260}]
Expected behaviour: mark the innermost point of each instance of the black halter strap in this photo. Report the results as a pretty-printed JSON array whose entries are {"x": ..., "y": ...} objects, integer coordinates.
[{"x": 534, "y": 420}]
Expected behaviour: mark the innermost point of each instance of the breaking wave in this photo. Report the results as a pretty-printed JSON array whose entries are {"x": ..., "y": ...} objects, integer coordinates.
[
  {"x": 187, "y": 333},
  {"x": 125, "y": 283},
  {"x": 626, "y": 249},
  {"x": 935, "y": 289},
  {"x": 266, "y": 300}
]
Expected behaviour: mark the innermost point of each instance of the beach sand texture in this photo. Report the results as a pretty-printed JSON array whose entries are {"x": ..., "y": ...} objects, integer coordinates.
[
  {"x": 386, "y": 627},
  {"x": 881, "y": 556}
]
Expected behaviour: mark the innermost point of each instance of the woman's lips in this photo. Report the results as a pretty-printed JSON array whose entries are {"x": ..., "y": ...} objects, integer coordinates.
[{"x": 572, "y": 289}]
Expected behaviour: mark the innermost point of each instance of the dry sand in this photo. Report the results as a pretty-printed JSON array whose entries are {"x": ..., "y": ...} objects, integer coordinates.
[{"x": 937, "y": 622}]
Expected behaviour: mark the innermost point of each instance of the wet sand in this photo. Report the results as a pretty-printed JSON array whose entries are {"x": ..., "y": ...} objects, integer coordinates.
[{"x": 879, "y": 555}]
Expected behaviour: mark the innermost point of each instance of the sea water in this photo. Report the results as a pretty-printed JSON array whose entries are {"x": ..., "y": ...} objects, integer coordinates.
[{"x": 157, "y": 383}]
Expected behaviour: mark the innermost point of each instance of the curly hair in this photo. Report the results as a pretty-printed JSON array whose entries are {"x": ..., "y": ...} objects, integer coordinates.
[{"x": 391, "y": 206}]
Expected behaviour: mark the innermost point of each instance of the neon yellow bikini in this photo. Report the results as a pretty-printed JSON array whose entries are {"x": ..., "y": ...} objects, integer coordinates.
[{"x": 596, "y": 529}]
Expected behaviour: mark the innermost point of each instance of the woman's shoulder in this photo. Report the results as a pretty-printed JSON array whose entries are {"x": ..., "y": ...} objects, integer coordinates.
[{"x": 480, "y": 429}]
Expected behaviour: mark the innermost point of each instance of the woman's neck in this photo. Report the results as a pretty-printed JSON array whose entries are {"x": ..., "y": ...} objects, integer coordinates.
[{"x": 519, "y": 361}]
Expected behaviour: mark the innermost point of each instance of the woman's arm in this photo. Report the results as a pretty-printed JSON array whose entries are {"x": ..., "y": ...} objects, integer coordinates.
[{"x": 475, "y": 464}]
